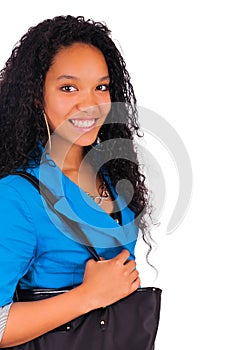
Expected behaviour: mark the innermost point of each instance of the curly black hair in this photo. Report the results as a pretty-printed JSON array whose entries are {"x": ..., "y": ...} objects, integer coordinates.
[{"x": 21, "y": 119}]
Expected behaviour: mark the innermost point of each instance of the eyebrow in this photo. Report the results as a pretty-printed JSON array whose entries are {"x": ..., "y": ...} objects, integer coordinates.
[{"x": 72, "y": 77}]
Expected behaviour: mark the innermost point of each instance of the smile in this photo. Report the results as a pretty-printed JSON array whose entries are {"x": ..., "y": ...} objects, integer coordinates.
[{"x": 83, "y": 123}]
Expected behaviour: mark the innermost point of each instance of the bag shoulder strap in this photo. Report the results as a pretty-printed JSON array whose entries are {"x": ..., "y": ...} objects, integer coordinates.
[{"x": 51, "y": 199}]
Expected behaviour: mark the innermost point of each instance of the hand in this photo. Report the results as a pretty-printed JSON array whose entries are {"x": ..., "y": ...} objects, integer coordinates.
[{"x": 107, "y": 281}]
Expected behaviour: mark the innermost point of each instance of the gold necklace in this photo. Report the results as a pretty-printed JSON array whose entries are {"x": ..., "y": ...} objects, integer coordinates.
[{"x": 103, "y": 195}]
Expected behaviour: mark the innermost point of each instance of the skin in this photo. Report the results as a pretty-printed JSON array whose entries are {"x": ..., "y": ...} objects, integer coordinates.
[
  {"x": 77, "y": 84},
  {"x": 105, "y": 281},
  {"x": 77, "y": 88}
]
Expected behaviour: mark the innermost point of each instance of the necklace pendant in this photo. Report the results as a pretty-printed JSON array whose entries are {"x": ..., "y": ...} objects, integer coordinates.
[
  {"x": 98, "y": 199},
  {"x": 104, "y": 195}
]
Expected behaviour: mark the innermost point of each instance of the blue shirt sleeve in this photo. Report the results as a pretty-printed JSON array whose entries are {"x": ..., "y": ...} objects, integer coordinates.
[{"x": 17, "y": 241}]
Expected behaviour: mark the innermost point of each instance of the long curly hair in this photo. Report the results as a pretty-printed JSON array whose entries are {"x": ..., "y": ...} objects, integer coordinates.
[{"x": 22, "y": 82}]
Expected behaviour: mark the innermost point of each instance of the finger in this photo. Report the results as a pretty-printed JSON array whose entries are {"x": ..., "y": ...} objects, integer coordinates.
[
  {"x": 135, "y": 285},
  {"x": 123, "y": 256},
  {"x": 134, "y": 275},
  {"x": 130, "y": 265}
]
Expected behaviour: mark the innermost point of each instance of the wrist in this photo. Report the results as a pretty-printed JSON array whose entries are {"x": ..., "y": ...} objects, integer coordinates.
[{"x": 85, "y": 300}]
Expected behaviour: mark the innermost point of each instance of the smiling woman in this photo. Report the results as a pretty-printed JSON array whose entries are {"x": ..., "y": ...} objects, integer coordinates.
[{"x": 60, "y": 85}]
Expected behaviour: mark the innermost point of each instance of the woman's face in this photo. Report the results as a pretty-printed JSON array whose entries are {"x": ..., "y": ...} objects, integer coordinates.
[{"x": 76, "y": 93}]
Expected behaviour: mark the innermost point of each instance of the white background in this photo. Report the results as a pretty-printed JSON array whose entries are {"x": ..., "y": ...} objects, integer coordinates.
[{"x": 179, "y": 55}]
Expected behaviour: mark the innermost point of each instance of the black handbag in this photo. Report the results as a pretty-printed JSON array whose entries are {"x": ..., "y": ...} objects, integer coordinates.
[{"x": 129, "y": 324}]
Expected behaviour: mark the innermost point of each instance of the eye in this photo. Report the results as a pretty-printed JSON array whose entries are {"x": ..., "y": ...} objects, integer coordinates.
[
  {"x": 68, "y": 88},
  {"x": 103, "y": 87}
]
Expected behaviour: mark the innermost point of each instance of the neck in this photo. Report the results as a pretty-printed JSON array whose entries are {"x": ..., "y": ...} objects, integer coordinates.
[{"x": 67, "y": 157}]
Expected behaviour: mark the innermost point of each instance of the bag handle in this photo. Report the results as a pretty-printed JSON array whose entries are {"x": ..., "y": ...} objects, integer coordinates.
[{"x": 50, "y": 199}]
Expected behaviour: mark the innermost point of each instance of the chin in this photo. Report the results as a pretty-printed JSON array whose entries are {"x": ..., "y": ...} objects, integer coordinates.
[{"x": 85, "y": 140}]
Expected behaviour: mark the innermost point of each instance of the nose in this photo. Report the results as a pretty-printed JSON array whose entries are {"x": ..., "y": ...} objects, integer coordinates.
[{"x": 86, "y": 101}]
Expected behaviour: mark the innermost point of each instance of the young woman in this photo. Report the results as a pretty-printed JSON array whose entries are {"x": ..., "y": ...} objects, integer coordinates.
[{"x": 68, "y": 116}]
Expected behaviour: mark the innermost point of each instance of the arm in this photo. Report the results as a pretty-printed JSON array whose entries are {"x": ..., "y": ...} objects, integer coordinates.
[{"x": 104, "y": 283}]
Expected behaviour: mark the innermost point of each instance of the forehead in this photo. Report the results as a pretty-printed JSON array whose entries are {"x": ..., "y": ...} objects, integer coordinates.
[{"x": 78, "y": 55}]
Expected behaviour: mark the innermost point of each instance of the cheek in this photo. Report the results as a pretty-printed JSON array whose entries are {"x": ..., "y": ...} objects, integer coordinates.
[
  {"x": 54, "y": 104},
  {"x": 104, "y": 99},
  {"x": 54, "y": 115},
  {"x": 105, "y": 109},
  {"x": 55, "y": 110}
]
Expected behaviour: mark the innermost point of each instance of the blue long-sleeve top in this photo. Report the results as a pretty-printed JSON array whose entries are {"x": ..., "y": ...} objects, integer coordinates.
[{"x": 36, "y": 247}]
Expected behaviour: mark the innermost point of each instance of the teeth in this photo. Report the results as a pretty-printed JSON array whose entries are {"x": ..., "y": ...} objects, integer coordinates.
[{"x": 83, "y": 123}]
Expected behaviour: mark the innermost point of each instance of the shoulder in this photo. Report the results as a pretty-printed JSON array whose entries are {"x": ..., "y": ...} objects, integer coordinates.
[
  {"x": 16, "y": 194},
  {"x": 14, "y": 184}
]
